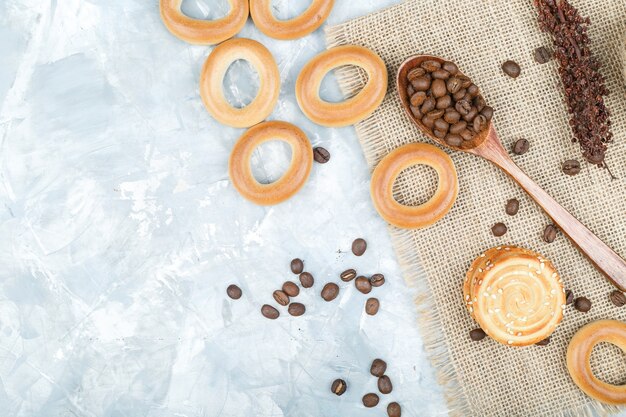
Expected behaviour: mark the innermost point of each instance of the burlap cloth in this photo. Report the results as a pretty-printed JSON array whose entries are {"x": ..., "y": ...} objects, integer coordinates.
[{"x": 486, "y": 378}]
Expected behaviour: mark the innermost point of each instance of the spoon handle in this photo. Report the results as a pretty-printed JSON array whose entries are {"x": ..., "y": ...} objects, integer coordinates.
[{"x": 598, "y": 252}]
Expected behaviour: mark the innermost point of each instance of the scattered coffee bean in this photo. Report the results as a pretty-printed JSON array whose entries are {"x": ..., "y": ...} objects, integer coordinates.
[
  {"x": 233, "y": 292},
  {"x": 477, "y": 335},
  {"x": 306, "y": 279},
  {"x": 618, "y": 298},
  {"x": 394, "y": 410},
  {"x": 512, "y": 207},
  {"x": 371, "y": 306},
  {"x": 330, "y": 291},
  {"x": 269, "y": 312},
  {"x": 544, "y": 342},
  {"x": 521, "y": 146},
  {"x": 378, "y": 367},
  {"x": 384, "y": 385},
  {"x": 499, "y": 229},
  {"x": 571, "y": 167},
  {"x": 297, "y": 266},
  {"x": 321, "y": 155},
  {"x": 339, "y": 387},
  {"x": 363, "y": 285},
  {"x": 549, "y": 233},
  {"x": 569, "y": 297},
  {"x": 348, "y": 275},
  {"x": 296, "y": 309},
  {"x": 511, "y": 68},
  {"x": 542, "y": 55},
  {"x": 582, "y": 304},
  {"x": 370, "y": 400},
  {"x": 377, "y": 280},
  {"x": 281, "y": 298},
  {"x": 359, "y": 246},
  {"x": 291, "y": 289}
]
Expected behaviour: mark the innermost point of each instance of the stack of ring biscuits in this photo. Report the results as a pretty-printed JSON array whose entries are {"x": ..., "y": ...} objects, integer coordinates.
[{"x": 515, "y": 295}]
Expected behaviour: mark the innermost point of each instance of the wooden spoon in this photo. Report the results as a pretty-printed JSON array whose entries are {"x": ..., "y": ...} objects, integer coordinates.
[{"x": 488, "y": 146}]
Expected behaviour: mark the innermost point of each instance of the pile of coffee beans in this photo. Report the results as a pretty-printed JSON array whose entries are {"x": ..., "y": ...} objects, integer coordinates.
[
  {"x": 288, "y": 291},
  {"x": 446, "y": 102}
]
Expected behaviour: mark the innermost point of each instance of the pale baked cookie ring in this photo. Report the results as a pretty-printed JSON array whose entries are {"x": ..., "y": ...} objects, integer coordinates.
[
  {"x": 515, "y": 295},
  {"x": 388, "y": 170},
  {"x": 292, "y": 180},
  {"x": 579, "y": 354},
  {"x": 203, "y": 32},
  {"x": 302, "y": 25},
  {"x": 212, "y": 77},
  {"x": 349, "y": 111}
]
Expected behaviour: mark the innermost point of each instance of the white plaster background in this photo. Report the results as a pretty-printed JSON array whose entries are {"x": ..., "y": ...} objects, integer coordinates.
[{"x": 119, "y": 232}]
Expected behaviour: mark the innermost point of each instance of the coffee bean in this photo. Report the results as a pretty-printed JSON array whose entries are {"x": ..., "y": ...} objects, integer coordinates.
[
  {"x": 421, "y": 84},
  {"x": 297, "y": 266},
  {"x": 443, "y": 102},
  {"x": 473, "y": 90},
  {"x": 569, "y": 297},
  {"x": 363, "y": 285},
  {"x": 618, "y": 298},
  {"x": 410, "y": 90},
  {"x": 416, "y": 73},
  {"x": 549, "y": 233},
  {"x": 480, "y": 123},
  {"x": 377, "y": 280},
  {"x": 418, "y": 98},
  {"x": 459, "y": 94},
  {"x": 467, "y": 135},
  {"x": 306, "y": 279},
  {"x": 582, "y": 304},
  {"x": 438, "y": 88},
  {"x": 338, "y": 387},
  {"x": 436, "y": 114},
  {"x": 359, "y": 246},
  {"x": 378, "y": 368},
  {"x": 465, "y": 81},
  {"x": 511, "y": 68},
  {"x": 330, "y": 291},
  {"x": 479, "y": 102},
  {"x": 428, "y": 121},
  {"x": 269, "y": 312},
  {"x": 450, "y": 67},
  {"x": 321, "y": 155},
  {"x": 463, "y": 107},
  {"x": 441, "y": 74},
  {"x": 544, "y": 342},
  {"x": 442, "y": 125},
  {"x": 348, "y": 275},
  {"x": 384, "y": 385},
  {"x": 452, "y": 116},
  {"x": 499, "y": 229},
  {"x": 371, "y": 306},
  {"x": 521, "y": 146},
  {"x": 453, "y": 85},
  {"x": 233, "y": 292},
  {"x": 291, "y": 289},
  {"x": 454, "y": 140},
  {"x": 439, "y": 133},
  {"x": 370, "y": 400},
  {"x": 281, "y": 298},
  {"x": 417, "y": 113},
  {"x": 542, "y": 55},
  {"x": 487, "y": 112},
  {"x": 571, "y": 167},
  {"x": 428, "y": 105},
  {"x": 431, "y": 65},
  {"x": 296, "y": 309},
  {"x": 477, "y": 335},
  {"x": 394, "y": 410},
  {"x": 512, "y": 207},
  {"x": 471, "y": 115}
]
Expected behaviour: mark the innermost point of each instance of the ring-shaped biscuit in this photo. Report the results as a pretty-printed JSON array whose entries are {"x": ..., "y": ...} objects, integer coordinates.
[
  {"x": 388, "y": 170},
  {"x": 302, "y": 25},
  {"x": 579, "y": 354},
  {"x": 292, "y": 180},
  {"x": 350, "y": 111},
  {"x": 203, "y": 32},
  {"x": 212, "y": 78}
]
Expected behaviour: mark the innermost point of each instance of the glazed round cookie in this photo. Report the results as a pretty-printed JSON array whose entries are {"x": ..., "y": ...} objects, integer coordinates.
[
  {"x": 292, "y": 180},
  {"x": 579, "y": 354},
  {"x": 515, "y": 295},
  {"x": 203, "y": 32},
  {"x": 350, "y": 111},
  {"x": 212, "y": 77},
  {"x": 302, "y": 25},
  {"x": 388, "y": 170}
]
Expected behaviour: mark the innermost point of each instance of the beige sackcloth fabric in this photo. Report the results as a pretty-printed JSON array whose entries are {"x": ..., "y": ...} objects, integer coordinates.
[{"x": 486, "y": 378}]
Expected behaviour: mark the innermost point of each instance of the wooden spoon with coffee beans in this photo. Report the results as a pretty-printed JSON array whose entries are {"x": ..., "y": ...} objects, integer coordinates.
[{"x": 487, "y": 145}]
